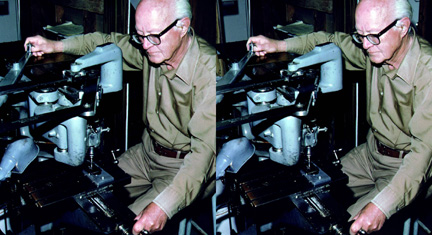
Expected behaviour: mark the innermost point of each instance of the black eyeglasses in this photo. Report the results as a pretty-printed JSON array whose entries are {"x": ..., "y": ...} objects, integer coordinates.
[
  {"x": 373, "y": 38},
  {"x": 152, "y": 38}
]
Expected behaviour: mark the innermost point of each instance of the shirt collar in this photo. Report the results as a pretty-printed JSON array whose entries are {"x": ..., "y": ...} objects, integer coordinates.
[
  {"x": 187, "y": 65},
  {"x": 406, "y": 70}
]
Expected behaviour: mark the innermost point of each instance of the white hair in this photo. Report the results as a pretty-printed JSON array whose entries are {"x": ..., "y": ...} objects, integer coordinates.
[
  {"x": 183, "y": 9},
  {"x": 402, "y": 8}
]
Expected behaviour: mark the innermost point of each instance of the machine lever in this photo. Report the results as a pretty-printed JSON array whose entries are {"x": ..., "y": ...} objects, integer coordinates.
[
  {"x": 114, "y": 156},
  {"x": 316, "y": 203},
  {"x": 362, "y": 232},
  {"x": 337, "y": 161},
  {"x": 15, "y": 73},
  {"x": 236, "y": 72},
  {"x": 336, "y": 228}
]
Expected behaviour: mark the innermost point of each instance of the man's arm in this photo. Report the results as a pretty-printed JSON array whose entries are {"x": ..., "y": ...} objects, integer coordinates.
[
  {"x": 41, "y": 45},
  {"x": 86, "y": 43},
  {"x": 354, "y": 58}
]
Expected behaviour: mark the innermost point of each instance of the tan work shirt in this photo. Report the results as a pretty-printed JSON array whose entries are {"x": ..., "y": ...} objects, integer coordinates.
[
  {"x": 179, "y": 109},
  {"x": 399, "y": 110}
]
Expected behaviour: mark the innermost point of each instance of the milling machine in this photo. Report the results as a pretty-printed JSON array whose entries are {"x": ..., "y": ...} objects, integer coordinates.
[{"x": 52, "y": 129}]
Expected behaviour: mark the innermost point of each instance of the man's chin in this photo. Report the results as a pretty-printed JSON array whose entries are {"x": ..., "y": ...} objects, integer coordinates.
[
  {"x": 155, "y": 59},
  {"x": 376, "y": 59}
]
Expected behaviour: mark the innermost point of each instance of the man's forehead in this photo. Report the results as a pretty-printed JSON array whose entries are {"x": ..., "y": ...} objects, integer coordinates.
[
  {"x": 154, "y": 9},
  {"x": 149, "y": 23},
  {"x": 372, "y": 21},
  {"x": 372, "y": 10}
]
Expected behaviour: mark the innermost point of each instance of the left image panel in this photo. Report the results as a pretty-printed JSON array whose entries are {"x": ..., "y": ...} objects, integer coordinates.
[{"x": 108, "y": 118}]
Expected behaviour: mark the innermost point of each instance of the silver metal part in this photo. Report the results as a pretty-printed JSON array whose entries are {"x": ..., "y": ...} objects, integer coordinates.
[
  {"x": 15, "y": 73},
  {"x": 123, "y": 230},
  {"x": 19, "y": 154},
  {"x": 233, "y": 74},
  {"x": 110, "y": 57},
  {"x": 101, "y": 179},
  {"x": 315, "y": 202},
  {"x": 105, "y": 211},
  {"x": 337, "y": 229},
  {"x": 316, "y": 179},
  {"x": 97, "y": 201},
  {"x": 233, "y": 155},
  {"x": 330, "y": 56}
]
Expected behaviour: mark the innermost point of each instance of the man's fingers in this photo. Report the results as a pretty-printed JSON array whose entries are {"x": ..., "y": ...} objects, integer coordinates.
[
  {"x": 355, "y": 227},
  {"x": 138, "y": 226},
  {"x": 247, "y": 43}
]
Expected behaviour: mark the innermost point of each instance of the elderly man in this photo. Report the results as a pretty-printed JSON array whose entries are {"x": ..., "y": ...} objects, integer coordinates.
[
  {"x": 175, "y": 161},
  {"x": 388, "y": 171}
]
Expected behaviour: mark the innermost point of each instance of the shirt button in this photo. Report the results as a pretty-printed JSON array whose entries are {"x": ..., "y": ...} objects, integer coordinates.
[
  {"x": 159, "y": 93},
  {"x": 157, "y": 111},
  {"x": 381, "y": 93}
]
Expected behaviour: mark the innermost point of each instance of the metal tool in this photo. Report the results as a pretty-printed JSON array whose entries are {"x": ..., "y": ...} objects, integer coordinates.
[
  {"x": 28, "y": 53},
  {"x": 362, "y": 232},
  {"x": 249, "y": 55},
  {"x": 105, "y": 211},
  {"x": 15, "y": 73},
  {"x": 237, "y": 69}
]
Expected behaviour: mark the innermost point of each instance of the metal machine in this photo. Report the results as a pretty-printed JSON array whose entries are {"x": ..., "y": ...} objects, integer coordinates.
[
  {"x": 266, "y": 165},
  {"x": 53, "y": 132}
]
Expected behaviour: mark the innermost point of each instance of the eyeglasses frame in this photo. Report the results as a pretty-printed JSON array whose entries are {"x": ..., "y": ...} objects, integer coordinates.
[
  {"x": 377, "y": 35},
  {"x": 140, "y": 38}
]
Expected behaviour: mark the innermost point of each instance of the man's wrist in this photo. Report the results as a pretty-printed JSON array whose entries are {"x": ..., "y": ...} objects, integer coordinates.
[
  {"x": 283, "y": 46},
  {"x": 58, "y": 46}
]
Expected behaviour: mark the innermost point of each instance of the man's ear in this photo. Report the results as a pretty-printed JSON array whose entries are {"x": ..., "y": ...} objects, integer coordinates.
[
  {"x": 404, "y": 24},
  {"x": 184, "y": 23}
]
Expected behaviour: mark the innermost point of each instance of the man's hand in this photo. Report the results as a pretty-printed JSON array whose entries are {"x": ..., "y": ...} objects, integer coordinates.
[
  {"x": 41, "y": 45},
  {"x": 151, "y": 219},
  {"x": 369, "y": 219},
  {"x": 264, "y": 45}
]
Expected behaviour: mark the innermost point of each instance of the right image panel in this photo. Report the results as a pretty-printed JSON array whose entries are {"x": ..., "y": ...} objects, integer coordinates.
[{"x": 318, "y": 117}]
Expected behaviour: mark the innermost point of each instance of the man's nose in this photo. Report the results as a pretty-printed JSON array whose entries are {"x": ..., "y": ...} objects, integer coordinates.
[
  {"x": 367, "y": 44},
  {"x": 146, "y": 44}
]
